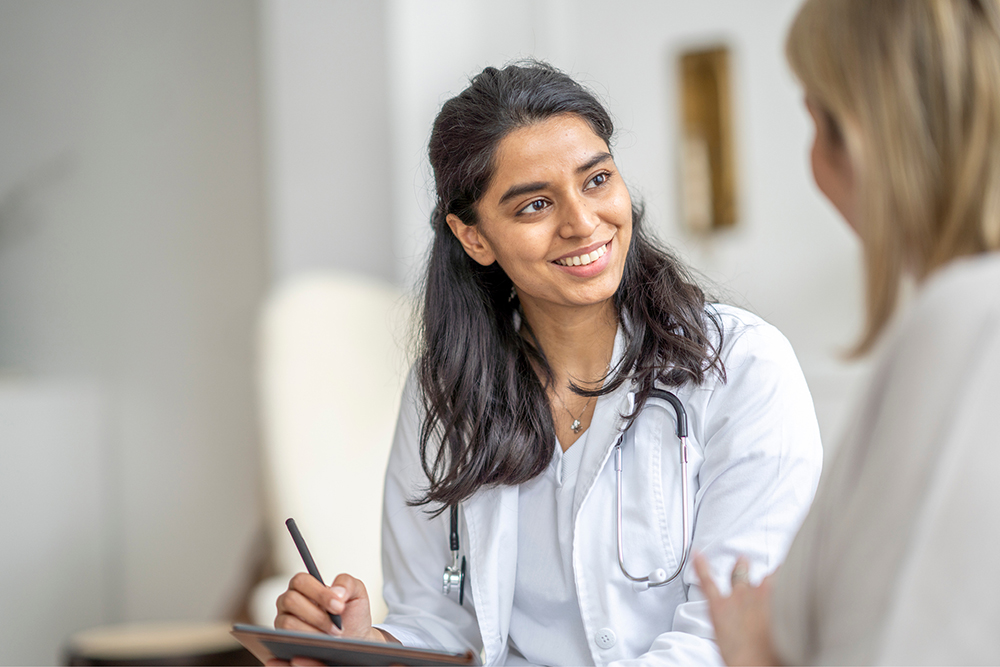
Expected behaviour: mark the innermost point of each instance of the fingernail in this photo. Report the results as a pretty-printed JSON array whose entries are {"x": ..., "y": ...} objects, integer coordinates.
[{"x": 339, "y": 592}]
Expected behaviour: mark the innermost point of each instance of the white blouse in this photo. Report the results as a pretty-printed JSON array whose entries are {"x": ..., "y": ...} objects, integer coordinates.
[
  {"x": 545, "y": 623},
  {"x": 898, "y": 561}
]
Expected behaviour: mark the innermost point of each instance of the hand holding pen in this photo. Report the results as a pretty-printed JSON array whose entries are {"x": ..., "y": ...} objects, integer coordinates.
[
  {"x": 310, "y": 606},
  {"x": 307, "y": 558}
]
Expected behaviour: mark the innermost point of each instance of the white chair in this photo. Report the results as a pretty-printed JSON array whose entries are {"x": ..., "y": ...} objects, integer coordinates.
[{"x": 331, "y": 370}]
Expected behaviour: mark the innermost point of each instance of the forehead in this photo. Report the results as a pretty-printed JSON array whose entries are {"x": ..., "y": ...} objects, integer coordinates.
[{"x": 544, "y": 150}]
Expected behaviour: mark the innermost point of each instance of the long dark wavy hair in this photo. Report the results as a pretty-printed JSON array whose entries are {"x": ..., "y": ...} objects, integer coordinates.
[{"x": 487, "y": 419}]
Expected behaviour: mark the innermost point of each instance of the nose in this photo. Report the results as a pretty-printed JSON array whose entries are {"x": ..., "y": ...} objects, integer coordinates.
[{"x": 577, "y": 219}]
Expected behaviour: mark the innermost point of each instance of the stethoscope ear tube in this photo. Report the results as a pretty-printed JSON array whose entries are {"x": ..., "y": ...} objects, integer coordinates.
[
  {"x": 453, "y": 539},
  {"x": 658, "y": 576},
  {"x": 682, "y": 417}
]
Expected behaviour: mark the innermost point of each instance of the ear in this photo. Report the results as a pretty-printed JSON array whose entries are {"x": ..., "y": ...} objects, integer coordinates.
[{"x": 476, "y": 246}]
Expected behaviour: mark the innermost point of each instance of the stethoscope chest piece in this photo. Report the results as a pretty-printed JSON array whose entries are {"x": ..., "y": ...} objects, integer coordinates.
[{"x": 454, "y": 574}]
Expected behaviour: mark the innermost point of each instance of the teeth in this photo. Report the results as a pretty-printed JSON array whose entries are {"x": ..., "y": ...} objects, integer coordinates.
[{"x": 584, "y": 259}]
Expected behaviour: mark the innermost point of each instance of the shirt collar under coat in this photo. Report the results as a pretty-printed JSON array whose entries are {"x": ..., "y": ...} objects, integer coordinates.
[{"x": 491, "y": 519}]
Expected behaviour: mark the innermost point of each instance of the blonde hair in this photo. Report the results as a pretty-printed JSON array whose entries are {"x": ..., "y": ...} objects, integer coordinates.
[{"x": 913, "y": 86}]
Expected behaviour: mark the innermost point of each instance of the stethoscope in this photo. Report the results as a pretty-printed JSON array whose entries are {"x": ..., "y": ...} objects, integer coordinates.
[{"x": 454, "y": 574}]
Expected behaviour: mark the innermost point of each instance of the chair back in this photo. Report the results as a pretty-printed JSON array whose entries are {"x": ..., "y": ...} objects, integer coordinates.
[{"x": 331, "y": 370}]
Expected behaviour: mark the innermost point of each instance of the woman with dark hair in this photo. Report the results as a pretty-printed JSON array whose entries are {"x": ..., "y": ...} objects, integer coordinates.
[{"x": 551, "y": 321}]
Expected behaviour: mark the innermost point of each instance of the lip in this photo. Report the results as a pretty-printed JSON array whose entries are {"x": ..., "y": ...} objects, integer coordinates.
[
  {"x": 583, "y": 251},
  {"x": 588, "y": 270}
]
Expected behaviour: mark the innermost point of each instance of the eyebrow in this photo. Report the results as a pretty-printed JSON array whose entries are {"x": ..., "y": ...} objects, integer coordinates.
[{"x": 526, "y": 188}]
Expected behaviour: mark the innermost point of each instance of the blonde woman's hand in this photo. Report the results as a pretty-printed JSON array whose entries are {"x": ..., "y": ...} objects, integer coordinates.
[{"x": 743, "y": 619}]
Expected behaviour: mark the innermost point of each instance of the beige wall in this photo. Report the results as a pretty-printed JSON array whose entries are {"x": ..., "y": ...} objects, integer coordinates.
[
  {"x": 327, "y": 136},
  {"x": 132, "y": 261}
]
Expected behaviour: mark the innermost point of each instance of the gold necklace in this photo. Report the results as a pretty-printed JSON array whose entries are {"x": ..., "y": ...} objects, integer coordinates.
[{"x": 576, "y": 426}]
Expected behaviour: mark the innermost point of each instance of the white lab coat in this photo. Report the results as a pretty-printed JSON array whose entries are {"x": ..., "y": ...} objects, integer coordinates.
[{"x": 754, "y": 461}]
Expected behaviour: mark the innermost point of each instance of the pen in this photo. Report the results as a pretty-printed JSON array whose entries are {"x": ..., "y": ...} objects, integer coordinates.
[{"x": 307, "y": 558}]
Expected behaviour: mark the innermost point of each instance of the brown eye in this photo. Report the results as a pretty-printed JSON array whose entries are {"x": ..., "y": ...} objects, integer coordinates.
[
  {"x": 534, "y": 206},
  {"x": 598, "y": 180}
]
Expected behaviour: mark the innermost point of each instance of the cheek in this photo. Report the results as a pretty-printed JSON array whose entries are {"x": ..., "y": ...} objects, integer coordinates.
[
  {"x": 814, "y": 164},
  {"x": 821, "y": 170},
  {"x": 516, "y": 251},
  {"x": 623, "y": 202},
  {"x": 625, "y": 218},
  {"x": 616, "y": 210},
  {"x": 834, "y": 181}
]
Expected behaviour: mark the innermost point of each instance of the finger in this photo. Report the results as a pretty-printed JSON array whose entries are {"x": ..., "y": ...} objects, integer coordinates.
[
  {"x": 306, "y": 662},
  {"x": 293, "y": 623},
  {"x": 325, "y": 598},
  {"x": 353, "y": 588},
  {"x": 348, "y": 591},
  {"x": 296, "y": 624},
  {"x": 274, "y": 662},
  {"x": 293, "y": 603},
  {"x": 741, "y": 572},
  {"x": 708, "y": 586},
  {"x": 309, "y": 586}
]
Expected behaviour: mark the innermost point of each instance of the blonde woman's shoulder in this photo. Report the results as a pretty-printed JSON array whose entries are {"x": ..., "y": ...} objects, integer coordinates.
[{"x": 962, "y": 294}]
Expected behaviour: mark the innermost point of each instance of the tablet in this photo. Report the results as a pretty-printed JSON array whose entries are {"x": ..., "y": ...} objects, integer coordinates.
[{"x": 267, "y": 643}]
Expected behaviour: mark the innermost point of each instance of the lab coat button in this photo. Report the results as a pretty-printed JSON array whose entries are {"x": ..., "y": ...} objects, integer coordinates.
[{"x": 606, "y": 638}]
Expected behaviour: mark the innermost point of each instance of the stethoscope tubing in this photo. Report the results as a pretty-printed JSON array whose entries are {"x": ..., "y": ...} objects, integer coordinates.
[
  {"x": 454, "y": 574},
  {"x": 654, "y": 578}
]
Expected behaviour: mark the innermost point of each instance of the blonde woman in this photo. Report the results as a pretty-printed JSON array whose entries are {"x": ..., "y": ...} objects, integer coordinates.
[{"x": 898, "y": 561}]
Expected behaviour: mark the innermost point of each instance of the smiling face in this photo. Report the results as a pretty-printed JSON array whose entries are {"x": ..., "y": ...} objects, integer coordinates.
[{"x": 557, "y": 216}]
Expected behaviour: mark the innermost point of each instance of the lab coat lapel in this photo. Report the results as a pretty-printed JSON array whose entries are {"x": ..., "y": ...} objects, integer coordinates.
[
  {"x": 491, "y": 522},
  {"x": 605, "y": 426}
]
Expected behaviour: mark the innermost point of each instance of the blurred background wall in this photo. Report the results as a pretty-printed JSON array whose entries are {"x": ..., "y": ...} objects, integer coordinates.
[
  {"x": 163, "y": 164},
  {"x": 133, "y": 258}
]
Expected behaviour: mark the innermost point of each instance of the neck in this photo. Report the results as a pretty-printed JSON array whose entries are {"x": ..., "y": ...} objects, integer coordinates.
[{"x": 578, "y": 342}]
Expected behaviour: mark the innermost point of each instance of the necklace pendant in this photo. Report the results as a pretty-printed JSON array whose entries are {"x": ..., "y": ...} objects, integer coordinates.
[{"x": 576, "y": 426}]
